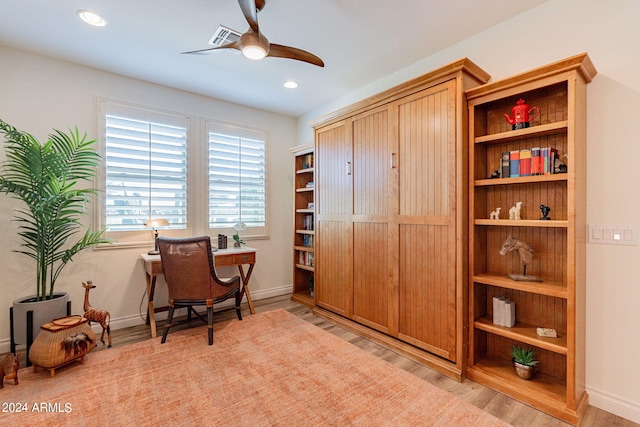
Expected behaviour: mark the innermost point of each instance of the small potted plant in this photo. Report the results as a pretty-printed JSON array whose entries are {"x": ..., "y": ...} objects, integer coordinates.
[
  {"x": 524, "y": 362},
  {"x": 241, "y": 226}
]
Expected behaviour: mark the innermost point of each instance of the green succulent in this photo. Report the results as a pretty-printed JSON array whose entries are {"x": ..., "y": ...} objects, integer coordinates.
[{"x": 524, "y": 356}]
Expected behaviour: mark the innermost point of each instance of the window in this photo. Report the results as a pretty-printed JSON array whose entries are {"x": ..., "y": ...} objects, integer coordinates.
[
  {"x": 237, "y": 178},
  {"x": 145, "y": 159},
  {"x": 154, "y": 168}
]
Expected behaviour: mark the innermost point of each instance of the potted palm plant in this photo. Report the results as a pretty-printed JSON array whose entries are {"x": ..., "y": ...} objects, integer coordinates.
[{"x": 46, "y": 179}]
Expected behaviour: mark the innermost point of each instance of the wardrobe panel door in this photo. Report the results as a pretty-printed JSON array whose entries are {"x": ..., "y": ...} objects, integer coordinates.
[
  {"x": 371, "y": 166},
  {"x": 427, "y": 218},
  {"x": 334, "y": 231}
]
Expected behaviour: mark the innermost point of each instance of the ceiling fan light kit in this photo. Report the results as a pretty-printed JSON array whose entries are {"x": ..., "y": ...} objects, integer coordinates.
[{"x": 254, "y": 45}]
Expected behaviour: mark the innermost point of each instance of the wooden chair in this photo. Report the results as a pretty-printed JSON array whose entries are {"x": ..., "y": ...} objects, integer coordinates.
[{"x": 191, "y": 279}]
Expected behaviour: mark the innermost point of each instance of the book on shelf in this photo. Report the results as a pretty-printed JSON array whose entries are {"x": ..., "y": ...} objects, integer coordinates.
[
  {"x": 307, "y": 240},
  {"x": 514, "y": 164},
  {"x": 307, "y": 222},
  {"x": 536, "y": 161},
  {"x": 307, "y": 161},
  {"x": 306, "y": 258},
  {"x": 553, "y": 154},
  {"x": 504, "y": 165},
  {"x": 528, "y": 161},
  {"x": 525, "y": 162},
  {"x": 504, "y": 312}
]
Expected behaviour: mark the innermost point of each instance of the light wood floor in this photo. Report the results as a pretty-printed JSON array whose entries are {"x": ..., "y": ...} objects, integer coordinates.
[{"x": 497, "y": 404}]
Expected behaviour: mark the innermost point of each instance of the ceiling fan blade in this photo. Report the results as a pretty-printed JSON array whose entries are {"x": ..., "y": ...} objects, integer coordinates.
[
  {"x": 233, "y": 45},
  {"x": 250, "y": 12},
  {"x": 280, "y": 51}
]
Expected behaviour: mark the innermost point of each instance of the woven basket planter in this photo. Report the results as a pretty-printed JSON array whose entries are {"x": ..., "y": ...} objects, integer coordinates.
[{"x": 60, "y": 342}]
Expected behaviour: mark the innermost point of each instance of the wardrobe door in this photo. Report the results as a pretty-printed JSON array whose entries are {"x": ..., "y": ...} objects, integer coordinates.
[
  {"x": 334, "y": 242},
  {"x": 371, "y": 166},
  {"x": 427, "y": 219}
]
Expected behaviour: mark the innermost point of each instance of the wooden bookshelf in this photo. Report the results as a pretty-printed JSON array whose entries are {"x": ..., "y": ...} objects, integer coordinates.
[
  {"x": 558, "y": 301},
  {"x": 304, "y": 219}
]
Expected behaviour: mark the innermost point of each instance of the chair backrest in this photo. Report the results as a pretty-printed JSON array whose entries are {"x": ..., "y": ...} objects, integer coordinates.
[{"x": 188, "y": 267}]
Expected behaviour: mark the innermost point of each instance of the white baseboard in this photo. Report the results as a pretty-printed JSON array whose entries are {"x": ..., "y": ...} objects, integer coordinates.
[
  {"x": 139, "y": 319},
  {"x": 614, "y": 404}
]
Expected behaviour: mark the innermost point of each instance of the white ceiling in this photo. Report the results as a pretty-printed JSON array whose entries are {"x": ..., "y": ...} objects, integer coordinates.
[{"x": 360, "y": 41}]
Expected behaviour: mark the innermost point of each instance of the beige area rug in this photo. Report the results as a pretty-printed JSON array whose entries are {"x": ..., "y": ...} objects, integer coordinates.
[{"x": 270, "y": 369}]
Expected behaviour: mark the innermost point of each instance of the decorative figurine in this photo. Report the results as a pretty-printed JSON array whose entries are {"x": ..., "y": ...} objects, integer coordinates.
[
  {"x": 495, "y": 214},
  {"x": 521, "y": 112},
  {"x": 560, "y": 164},
  {"x": 95, "y": 314},
  {"x": 9, "y": 368},
  {"x": 514, "y": 212},
  {"x": 526, "y": 251},
  {"x": 495, "y": 174},
  {"x": 545, "y": 211}
]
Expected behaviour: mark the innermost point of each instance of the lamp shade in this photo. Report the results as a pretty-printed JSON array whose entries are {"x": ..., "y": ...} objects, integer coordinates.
[{"x": 156, "y": 222}]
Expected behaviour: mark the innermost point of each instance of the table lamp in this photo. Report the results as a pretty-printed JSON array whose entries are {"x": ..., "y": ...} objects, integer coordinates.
[{"x": 154, "y": 223}]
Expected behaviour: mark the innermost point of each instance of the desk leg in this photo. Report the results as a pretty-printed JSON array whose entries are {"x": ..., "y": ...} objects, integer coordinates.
[
  {"x": 151, "y": 314},
  {"x": 245, "y": 286}
]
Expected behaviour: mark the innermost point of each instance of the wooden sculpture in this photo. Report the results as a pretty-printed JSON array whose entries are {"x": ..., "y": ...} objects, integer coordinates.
[
  {"x": 526, "y": 251},
  {"x": 95, "y": 314},
  {"x": 9, "y": 369}
]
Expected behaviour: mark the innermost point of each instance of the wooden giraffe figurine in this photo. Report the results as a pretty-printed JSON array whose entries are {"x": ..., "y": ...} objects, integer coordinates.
[{"x": 95, "y": 314}]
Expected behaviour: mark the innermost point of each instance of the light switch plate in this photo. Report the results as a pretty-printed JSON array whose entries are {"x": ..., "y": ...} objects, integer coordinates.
[{"x": 613, "y": 234}]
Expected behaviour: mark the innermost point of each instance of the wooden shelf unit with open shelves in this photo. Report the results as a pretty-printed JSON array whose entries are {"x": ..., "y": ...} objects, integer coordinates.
[
  {"x": 558, "y": 302},
  {"x": 304, "y": 219}
]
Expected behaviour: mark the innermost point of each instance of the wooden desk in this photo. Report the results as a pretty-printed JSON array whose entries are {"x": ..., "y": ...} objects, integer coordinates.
[{"x": 221, "y": 258}]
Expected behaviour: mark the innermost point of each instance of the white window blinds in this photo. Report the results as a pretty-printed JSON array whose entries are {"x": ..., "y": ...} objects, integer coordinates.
[
  {"x": 237, "y": 177},
  {"x": 146, "y": 170}
]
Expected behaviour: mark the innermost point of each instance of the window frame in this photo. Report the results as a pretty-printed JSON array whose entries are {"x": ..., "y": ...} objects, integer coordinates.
[
  {"x": 207, "y": 125},
  {"x": 144, "y": 236},
  {"x": 197, "y": 147}
]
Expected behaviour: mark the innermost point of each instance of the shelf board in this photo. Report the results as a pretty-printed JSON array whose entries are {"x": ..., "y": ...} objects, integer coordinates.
[
  {"x": 304, "y": 211},
  {"x": 304, "y": 267},
  {"x": 304, "y": 248},
  {"x": 498, "y": 374},
  {"x": 304, "y": 189},
  {"x": 307, "y": 170},
  {"x": 553, "y": 289},
  {"x": 523, "y": 223},
  {"x": 521, "y": 179},
  {"x": 535, "y": 131},
  {"x": 305, "y": 231},
  {"x": 524, "y": 333},
  {"x": 303, "y": 297}
]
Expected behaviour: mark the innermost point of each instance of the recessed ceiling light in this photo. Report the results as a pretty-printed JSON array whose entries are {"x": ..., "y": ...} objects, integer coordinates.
[
  {"x": 290, "y": 84},
  {"x": 91, "y": 18}
]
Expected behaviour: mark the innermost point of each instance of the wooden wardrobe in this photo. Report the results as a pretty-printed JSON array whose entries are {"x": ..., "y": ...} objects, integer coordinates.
[{"x": 392, "y": 215}]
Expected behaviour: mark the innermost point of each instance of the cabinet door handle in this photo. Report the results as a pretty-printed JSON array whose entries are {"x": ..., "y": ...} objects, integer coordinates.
[
  {"x": 392, "y": 161},
  {"x": 348, "y": 168}
]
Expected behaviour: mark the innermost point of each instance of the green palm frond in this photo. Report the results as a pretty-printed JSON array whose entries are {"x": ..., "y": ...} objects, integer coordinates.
[{"x": 45, "y": 177}]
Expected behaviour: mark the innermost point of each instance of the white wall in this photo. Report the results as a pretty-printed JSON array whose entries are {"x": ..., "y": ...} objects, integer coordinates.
[
  {"x": 38, "y": 94},
  {"x": 610, "y": 34}
]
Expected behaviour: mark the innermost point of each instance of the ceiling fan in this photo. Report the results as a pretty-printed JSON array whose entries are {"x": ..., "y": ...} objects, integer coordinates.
[{"x": 254, "y": 45}]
